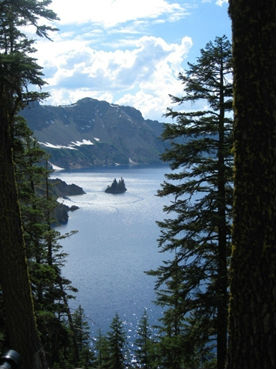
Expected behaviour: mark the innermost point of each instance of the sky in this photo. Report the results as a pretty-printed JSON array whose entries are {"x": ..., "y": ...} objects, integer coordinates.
[{"x": 127, "y": 52}]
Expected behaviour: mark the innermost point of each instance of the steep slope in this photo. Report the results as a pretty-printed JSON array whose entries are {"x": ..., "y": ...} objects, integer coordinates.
[{"x": 93, "y": 133}]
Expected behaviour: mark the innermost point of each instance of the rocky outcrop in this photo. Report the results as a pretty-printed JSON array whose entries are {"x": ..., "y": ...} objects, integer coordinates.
[{"x": 60, "y": 188}]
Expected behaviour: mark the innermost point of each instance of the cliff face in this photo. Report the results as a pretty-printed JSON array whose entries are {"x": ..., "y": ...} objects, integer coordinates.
[
  {"x": 60, "y": 188},
  {"x": 95, "y": 133}
]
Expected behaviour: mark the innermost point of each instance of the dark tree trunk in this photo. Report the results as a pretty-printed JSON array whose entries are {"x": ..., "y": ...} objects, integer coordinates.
[
  {"x": 252, "y": 305},
  {"x": 222, "y": 279},
  {"x": 18, "y": 305}
]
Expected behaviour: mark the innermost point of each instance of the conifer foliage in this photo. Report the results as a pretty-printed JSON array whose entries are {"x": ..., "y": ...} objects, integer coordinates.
[
  {"x": 116, "y": 339},
  {"x": 18, "y": 70},
  {"x": 192, "y": 286},
  {"x": 51, "y": 291},
  {"x": 144, "y": 344}
]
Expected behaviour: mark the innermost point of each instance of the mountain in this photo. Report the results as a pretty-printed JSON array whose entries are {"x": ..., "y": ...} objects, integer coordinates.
[{"x": 93, "y": 133}]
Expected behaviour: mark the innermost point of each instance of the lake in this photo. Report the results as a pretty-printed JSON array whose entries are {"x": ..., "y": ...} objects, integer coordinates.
[{"x": 116, "y": 242}]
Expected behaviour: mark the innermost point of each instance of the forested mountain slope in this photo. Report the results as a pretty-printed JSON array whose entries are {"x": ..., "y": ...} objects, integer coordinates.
[{"x": 93, "y": 133}]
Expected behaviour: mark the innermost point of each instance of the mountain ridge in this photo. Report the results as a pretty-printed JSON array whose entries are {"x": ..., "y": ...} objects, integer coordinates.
[{"x": 92, "y": 133}]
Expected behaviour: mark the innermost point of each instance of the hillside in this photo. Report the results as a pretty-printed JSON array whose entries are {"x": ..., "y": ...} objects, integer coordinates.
[{"x": 94, "y": 133}]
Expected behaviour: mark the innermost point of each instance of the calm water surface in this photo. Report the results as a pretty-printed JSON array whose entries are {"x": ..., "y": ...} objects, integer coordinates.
[{"x": 116, "y": 242}]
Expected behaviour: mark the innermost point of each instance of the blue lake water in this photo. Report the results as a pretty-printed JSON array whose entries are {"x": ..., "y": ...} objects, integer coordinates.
[{"x": 116, "y": 242}]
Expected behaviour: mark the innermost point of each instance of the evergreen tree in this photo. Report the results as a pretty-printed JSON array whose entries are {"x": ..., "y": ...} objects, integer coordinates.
[
  {"x": 102, "y": 352},
  {"x": 143, "y": 343},
  {"x": 83, "y": 340},
  {"x": 18, "y": 70},
  {"x": 169, "y": 297},
  {"x": 200, "y": 189},
  {"x": 45, "y": 258},
  {"x": 116, "y": 340},
  {"x": 252, "y": 303}
]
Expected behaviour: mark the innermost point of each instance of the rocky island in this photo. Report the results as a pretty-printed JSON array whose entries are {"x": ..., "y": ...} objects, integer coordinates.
[{"x": 116, "y": 187}]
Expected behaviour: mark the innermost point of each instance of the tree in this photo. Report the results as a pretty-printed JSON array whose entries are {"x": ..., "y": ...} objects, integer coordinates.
[
  {"x": 83, "y": 340},
  {"x": 252, "y": 303},
  {"x": 199, "y": 231},
  {"x": 17, "y": 71},
  {"x": 144, "y": 344},
  {"x": 116, "y": 339},
  {"x": 102, "y": 349},
  {"x": 169, "y": 297},
  {"x": 45, "y": 258}
]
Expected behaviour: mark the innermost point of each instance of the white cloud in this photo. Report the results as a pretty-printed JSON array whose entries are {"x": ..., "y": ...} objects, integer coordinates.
[
  {"x": 109, "y": 50},
  {"x": 221, "y": 2},
  {"x": 141, "y": 76},
  {"x": 109, "y": 13},
  {"x": 218, "y": 2}
]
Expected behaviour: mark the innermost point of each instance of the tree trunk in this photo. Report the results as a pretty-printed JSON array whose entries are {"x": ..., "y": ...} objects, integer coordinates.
[
  {"x": 19, "y": 313},
  {"x": 222, "y": 279},
  {"x": 253, "y": 287}
]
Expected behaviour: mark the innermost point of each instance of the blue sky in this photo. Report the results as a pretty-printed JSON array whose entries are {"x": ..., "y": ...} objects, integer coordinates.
[{"x": 127, "y": 52}]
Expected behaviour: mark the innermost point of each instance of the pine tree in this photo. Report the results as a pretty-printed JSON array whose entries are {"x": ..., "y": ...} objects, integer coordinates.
[
  {"x": 170, "y": 299},
  {"x": 83, "y": 340},
  {"x": 116, "y": 340},
  {"x": 51, "y": 291},
  {"x": 144, "y": 344},
  {"x": 18, "y": 70},
  {"x": 253, "y": 298},
  {"x": 200, "y": 192},
  {"x": 102, "y": 352}
]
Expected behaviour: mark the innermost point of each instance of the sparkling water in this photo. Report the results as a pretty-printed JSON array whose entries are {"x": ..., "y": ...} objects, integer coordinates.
[{"x": 116, "y": 242}]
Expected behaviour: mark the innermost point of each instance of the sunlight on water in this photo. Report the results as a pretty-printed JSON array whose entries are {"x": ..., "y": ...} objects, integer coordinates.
[{"x": 115, "y": 244}]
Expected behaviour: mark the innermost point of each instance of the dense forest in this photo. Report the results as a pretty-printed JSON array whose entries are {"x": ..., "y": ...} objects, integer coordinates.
[{"x": 219, "y": 228}]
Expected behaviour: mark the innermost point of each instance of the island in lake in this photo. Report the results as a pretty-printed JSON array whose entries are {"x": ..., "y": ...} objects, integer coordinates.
[{"x": 116, "y": 187}]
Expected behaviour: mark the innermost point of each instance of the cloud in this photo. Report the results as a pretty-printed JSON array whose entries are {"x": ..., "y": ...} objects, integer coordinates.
[
  {"x": 110, "y": 13},
  {"x": 123, "y": 51},
  {"x": 141, "y": 76},
  {"x": 218, "y": 2},
  {"x": 221, "y": 2}
]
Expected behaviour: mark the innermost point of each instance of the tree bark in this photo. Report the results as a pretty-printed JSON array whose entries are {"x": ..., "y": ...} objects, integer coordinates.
[
  {"x": 222, "y": 278},
  {"x": 18, "y": 305},
  {"x": 253, "y": 288}
]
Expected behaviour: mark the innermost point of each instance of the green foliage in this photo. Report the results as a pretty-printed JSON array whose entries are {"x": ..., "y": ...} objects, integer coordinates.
[
  {"x": 111, "y": 348},
  {"x": 194, "y": 282},
  {"x": 116, "y": 340},
  {"x": 82, "y": 339},
  {"x": 102, "y": 352},
  {"x": 144, "y": 352},
  {"x": 18, "y": 69},
  {"x": 51, "y": 291}
]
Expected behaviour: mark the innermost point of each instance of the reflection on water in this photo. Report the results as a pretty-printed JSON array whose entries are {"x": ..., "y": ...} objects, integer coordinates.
[{"x": 115, "y": 244}]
